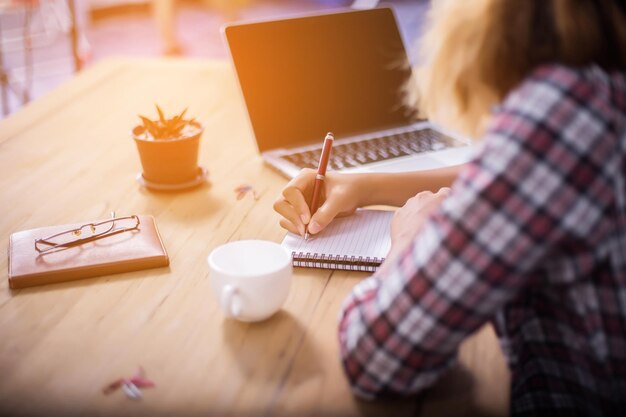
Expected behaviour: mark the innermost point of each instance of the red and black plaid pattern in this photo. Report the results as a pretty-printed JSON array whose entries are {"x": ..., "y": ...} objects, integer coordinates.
[{"x": 532, "y": 237}]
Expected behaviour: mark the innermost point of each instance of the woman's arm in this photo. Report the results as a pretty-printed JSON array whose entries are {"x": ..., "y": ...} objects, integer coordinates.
[
  {"x": 344, "y": 193},
  {"x": 395, "y": 189}
]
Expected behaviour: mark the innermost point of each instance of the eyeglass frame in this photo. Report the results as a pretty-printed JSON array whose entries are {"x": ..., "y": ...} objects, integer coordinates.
[{"x": 77, "y": 232}]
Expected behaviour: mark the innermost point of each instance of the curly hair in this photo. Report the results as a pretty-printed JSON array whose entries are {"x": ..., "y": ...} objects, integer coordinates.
[{"x": 475, "y": 52}]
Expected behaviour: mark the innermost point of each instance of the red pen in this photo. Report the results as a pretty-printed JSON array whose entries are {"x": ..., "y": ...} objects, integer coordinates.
[{"x": 319, "y": 178}]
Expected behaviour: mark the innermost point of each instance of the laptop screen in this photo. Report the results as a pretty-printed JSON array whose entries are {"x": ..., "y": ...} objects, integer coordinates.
[{"x": 302, "y": 77}]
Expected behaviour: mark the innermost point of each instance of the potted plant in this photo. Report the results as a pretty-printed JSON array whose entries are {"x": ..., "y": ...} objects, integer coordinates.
[{"x": 168, "y": 149}]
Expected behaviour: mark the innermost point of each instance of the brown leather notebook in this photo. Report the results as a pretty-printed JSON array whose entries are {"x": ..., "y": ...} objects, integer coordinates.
[{"x": 129, "y": 251}]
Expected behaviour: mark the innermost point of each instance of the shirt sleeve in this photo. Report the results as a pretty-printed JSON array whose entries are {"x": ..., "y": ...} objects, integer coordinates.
[{"x": 531, "y": 187}]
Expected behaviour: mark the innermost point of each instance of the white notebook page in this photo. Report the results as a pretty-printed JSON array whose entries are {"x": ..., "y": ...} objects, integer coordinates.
[{"x": 364, "y": 234}]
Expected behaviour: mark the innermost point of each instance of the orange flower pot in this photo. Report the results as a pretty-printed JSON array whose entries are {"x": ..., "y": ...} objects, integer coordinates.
[{"x": 171, "y": 161}]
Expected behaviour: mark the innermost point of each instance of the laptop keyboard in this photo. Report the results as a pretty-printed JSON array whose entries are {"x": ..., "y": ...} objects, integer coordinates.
[{"x": 376, "y": 149}]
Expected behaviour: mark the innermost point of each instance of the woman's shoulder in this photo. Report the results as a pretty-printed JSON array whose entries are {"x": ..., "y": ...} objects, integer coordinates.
[
  {"x": 566, "y": 77},
  {"x": 564, "y": 102},
  {"x": 553, "y": 85}
]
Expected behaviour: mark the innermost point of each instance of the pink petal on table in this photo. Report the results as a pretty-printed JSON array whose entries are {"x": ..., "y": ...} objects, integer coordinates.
[
  {"x": 131, "y": 391},
  {"x": 142, "y": 382},
  {"x": 243, "y": 188},
  {"x": 113, "y": 386},
  {"x": 131, "y": 386}
]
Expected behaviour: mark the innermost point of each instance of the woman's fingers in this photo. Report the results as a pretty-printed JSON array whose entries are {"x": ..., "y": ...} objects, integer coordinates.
[
  {"x": 324, "y": 215},
  {"x": 286, "y": 224},
  {"x": 303, "y": 181},
  {"x": 294, "y": 207},
  {"x": 444, "y": 191},
  {"x": 423, "y": 196},
  {"x": 282, "y": 207},
  {"x": 295, "y": 197}
]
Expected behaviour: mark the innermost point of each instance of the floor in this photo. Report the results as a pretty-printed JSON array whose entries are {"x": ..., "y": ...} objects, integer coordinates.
[{"x": 130, "y": 30}]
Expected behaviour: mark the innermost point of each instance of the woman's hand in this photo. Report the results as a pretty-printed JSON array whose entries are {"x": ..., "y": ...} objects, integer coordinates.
[
  {"x": 409, "y": 219},
  {"x": 340, "y": 196}
]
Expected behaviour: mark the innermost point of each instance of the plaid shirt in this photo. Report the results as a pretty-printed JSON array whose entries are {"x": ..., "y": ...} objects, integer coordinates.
[{"x": 533, "y": 238}]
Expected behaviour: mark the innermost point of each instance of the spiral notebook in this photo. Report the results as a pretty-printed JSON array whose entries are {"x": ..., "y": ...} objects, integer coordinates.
[{"x": 358, "y": 242}]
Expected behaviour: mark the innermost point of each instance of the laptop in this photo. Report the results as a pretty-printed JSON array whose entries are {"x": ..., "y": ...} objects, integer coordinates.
[{"x": 344, "y": 72}]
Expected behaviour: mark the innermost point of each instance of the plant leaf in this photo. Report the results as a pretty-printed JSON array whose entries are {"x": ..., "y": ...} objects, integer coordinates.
[
  {"x": 163, "y": 128},
  {"x": 161, "y": 115},
  {"x": 148, "y": 124}
]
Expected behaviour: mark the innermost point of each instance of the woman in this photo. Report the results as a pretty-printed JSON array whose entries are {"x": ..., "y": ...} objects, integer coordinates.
[{"x": 532, "y": 233}]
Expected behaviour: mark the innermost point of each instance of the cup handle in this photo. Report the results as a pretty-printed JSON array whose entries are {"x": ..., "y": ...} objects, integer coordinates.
[{"x": 231, "y": 300}]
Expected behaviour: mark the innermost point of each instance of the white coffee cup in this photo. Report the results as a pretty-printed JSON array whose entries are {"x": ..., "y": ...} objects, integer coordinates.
[{"x": 250, "y": 278}]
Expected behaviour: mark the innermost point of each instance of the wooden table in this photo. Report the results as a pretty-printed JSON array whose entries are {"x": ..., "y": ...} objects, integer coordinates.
[{"x": 68, "y": 157}]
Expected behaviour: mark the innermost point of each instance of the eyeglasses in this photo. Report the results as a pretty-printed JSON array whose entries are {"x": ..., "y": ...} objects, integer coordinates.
[{"x": 87, "y": 233}]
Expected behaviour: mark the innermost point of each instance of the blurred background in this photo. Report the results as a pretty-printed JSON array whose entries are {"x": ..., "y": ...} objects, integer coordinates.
[{"x": 45, "y": 42}]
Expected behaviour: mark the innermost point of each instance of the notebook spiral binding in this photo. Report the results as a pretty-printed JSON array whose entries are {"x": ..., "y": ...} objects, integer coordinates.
[{"x": 348, "y": 263}]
